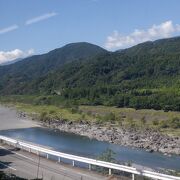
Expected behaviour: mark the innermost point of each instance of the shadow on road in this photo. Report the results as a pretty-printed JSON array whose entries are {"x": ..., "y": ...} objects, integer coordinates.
[
  {"x": 4, "y": 152},
  {"x": 4, "y": 165}
]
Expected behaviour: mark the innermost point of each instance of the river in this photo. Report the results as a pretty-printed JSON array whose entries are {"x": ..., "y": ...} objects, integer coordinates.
[{"x": 79, "y": 145}]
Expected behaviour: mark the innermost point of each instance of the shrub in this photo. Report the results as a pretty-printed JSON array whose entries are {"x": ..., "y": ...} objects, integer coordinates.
[
  {"x": 109, "y": 117},
  {"x": 74, "y": 110},
  {"x": 51, "y": 111},
  {"x": 44, "y": 116},
  {"x": 143, "y": 120},
  {"x": 155, "y": 122},
  {"x": 171, "y": 123},
  {"x": 109, "y": 156},
  {"x": 174, "y": 123},
  {"x": 163, "y": 124},
  {"x": 130, "y": 122}
]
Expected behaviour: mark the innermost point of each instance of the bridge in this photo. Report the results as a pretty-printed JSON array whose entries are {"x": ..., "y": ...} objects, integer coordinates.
[{"x": 31, "y": 148}]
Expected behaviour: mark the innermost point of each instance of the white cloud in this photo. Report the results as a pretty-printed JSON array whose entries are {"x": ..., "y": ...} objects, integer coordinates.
[
  {"x": 7, "y": 56},
  {"x": 163, "y": 30},
  {"x": 40, "y": 18},
  {"x": 8, "y": 29}
]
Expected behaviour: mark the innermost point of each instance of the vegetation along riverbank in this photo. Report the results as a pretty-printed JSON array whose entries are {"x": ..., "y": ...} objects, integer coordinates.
[{"x": 153, "y": 130}]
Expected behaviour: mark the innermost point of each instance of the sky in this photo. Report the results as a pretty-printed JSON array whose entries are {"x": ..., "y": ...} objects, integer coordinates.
[{"x": 30, "y": 27}]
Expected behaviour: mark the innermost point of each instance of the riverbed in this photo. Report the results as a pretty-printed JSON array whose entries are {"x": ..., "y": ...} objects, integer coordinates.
[
  {"x": 22, "y": 128},
  {"x": 9, "y": 119}
]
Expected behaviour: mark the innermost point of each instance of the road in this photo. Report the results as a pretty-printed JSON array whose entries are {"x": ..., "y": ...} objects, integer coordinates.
[{"x": 25, "y": 165}]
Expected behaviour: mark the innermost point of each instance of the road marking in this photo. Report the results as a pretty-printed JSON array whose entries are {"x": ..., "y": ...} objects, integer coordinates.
[
  {"x": 75, "y": 172},
  {"x": 7, "y": 166},
  {"x": 18, "y": 154}
]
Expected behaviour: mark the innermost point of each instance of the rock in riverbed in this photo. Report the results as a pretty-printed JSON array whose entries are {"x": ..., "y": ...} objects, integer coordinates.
[{"x": 148, "y": 139}]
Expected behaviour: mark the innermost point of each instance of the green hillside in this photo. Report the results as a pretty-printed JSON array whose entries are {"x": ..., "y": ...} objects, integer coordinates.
[
  {"x": 14, "y": 75},
  {"x": 144, "y": 76}
]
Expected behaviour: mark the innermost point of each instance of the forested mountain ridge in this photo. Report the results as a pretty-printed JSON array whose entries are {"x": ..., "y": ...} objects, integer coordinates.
[
  {"x": 39, "y": 65},
  {"x": 167, "y": 46},
  {"x": 144, "y": 76},
  {"x": 15, "y": 75}
]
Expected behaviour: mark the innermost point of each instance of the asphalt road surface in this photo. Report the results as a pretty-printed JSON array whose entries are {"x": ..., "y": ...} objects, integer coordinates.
[{"x": 25, "y": 165}]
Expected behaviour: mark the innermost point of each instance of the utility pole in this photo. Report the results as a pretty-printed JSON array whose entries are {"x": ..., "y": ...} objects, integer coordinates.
[{"x": 38, "y": 165}]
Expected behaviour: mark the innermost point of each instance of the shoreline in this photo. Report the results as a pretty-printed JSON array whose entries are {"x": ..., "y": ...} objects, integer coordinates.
[
  {"x": 10, "y": 119},
  {"x": 149, "y": 140}
]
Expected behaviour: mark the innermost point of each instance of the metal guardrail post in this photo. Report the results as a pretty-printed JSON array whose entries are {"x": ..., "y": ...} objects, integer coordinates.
[
  {"x": 59, "y": 159},
  {"x": 110, "y": 172},
  {"x": 73, "y": 163},
  {"x": 90, "y": 167},
  {"x": 133, "y": 177}
]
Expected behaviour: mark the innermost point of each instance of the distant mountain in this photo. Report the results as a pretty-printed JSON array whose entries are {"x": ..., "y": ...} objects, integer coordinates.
[
  {"x": 39, "y": 65},
  {"x": 154, "y": 60},
  {"x": 169, "y": 45},
  {"x": 144, "y": 76}
]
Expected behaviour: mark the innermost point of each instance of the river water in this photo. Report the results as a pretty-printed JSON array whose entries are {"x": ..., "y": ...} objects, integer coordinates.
[{"x": 79, "y": 145}]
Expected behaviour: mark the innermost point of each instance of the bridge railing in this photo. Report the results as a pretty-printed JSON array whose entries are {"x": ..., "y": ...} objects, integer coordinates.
[{"x": 35, "y": 148}]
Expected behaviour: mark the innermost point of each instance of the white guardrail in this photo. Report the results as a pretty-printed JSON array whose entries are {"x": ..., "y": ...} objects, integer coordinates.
[{"x": 110, "y": 166}]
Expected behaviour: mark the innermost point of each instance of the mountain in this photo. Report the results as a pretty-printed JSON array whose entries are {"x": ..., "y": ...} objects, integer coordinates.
[
  {"x": 39, "y": 65},
  {"x": 147, "y": 60},
  {"x": 144, "y": 76},
  {"x": 169, "y": 45}
]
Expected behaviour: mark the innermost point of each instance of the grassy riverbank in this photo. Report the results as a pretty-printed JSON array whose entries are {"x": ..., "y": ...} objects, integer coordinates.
[{"x": 45, "y": 110}]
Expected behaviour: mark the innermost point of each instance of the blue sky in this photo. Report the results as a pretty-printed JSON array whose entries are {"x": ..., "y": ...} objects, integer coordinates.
[{"x": 37, "y": 26}]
